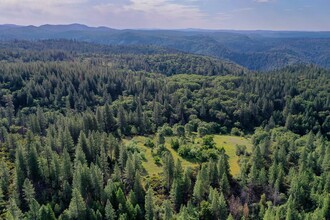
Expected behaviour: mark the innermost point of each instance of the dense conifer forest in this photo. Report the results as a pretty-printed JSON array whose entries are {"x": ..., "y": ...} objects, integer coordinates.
[{"x": 91, "y": 131}]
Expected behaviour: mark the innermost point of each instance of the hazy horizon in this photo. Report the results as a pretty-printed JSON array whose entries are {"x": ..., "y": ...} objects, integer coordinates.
[
  {"x": 273, "y": 15},
  {"x": 165, "y": 29}
]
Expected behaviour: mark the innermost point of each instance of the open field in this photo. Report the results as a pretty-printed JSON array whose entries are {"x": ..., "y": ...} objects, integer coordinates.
[
  {"x": 226, "y": 141},
  {"x": 229, "y": 144}
]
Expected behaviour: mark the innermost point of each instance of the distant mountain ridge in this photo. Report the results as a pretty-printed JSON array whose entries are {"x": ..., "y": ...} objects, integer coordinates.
[{"x": 255, "y": 50}]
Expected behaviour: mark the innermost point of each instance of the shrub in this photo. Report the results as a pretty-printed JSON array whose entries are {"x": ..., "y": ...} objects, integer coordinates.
[
  {"x": 166, "y": 130},
  {"x": 180, "y": 131},
  {"x": 208, "y": 142},
  {"x": 236, "y": 132},
  {"x": 157, "y": 160},
  {"x": 202, "y": 131},
  {"x": 149, "y": 143},
  {"x": 240, "y": 150},
  {"x": 189, "y": 128},
  {"x": 175, "y": 144},
  {"x": 184, "y": 151}
]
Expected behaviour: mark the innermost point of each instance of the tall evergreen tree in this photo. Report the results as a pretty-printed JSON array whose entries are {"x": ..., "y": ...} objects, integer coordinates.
[
  {"x": 77, "y": 208},
  {"x": 149, "y": 205}
]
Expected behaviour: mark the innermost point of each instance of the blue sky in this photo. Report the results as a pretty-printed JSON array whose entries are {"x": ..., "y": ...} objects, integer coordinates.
[{"x": 172, "y": 14}]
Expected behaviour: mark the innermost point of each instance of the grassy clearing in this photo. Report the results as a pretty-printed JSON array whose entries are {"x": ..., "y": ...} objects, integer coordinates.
[
  {"x": 185, "y": 163},
  {"x": 151, "y": 167},
  {"x": 226, "y": 141},
  {"x": 229, "y": 144}
]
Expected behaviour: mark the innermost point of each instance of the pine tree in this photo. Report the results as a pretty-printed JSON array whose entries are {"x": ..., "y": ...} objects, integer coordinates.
[
  {"x": 222, "y": 207},
  {"x": 168, "y": 170},
  {"x": 121, "y": 200},
  {"x": 149, "y": 205},
  {"x": 33, "y": 212},
  {"x": 77, "y": 207},
  {"x": 122, "y": 157},
  {"x": 28, "y": 191},
  {"x": 103, "y": 160},
  {"x": 46, "y": 212},
  {"x": 13, "y": 211},
  {"x": 132, "y": 198},
  {"x": 224, "y": 184},
  {"x": 262, "y": 206},
  {"x": 138, "y": 211},
  {"x": 20, "y": 166},
  {"x": 168, "y": 212},
  {"x": 33, "y": 164},
  {"x": 325, "y": 211},
  {"x": 198, "y": 193},
  {"x": 122, "y": 121},
  {"x": 213, "y": 173},
  {"x": 41, "y": 121},
  {"x": 177, "y": 189},
  {"x": 223, "y": 164},
  {"x": 96, "y": 181},
  {"x": 66, "y": 167},
  {"x": 140, "y": 123},
  {"x": 109, "y": 211},
  {"x": 129, "y": 171},
  {"x": 138, "y": 189},
  {"x": 68, "y": 142},
  {"x": 100, "y": 120},
  {"x": 110, "y": 122},
  {"x": 80, "y": 157},
  {"x": 130, "y": 210},
  {"x": 85, "y": 147},
  {"x": 10, "y": 109},
  {"x": 116, "y": 175},
  {"x": 289, "y": 124},
  {"x": 157, "y": 114},
  {"x": 4, "y": 178}
]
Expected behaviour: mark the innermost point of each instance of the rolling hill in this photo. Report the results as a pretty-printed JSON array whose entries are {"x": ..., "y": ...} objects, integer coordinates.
[{"x": 255, "y": 50}]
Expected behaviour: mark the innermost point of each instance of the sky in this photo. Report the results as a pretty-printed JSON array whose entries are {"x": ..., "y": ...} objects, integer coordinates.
[{"x": 313, "y": 15}]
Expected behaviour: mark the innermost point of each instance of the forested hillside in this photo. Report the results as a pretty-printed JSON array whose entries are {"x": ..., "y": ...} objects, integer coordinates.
[
  {"x": 255, "y": 50},
  {"x": 115, "y": 132}
]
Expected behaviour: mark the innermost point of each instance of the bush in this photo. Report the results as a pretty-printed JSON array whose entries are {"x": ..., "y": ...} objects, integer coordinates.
[
  {"x": 149, "y": 143},
  {"x": 208, "y": 154},
  {"x": 134, "y": 130},
  {"x": 208, "y": 142},
  {"x": 160, "y": 149},
  {"x": 180, "y": 131},
  {"x": 240, "y": 150},
  {"x": 202, "y": 131},
  {"x": 224, "y": 130},
  {"x": 157, "y": 160},
  {"x": 184, "y": 151},
  {"x": 166, "y": 130},
  {"x": 189, "y": 128},
  {"x": 160, "y": 138},
  {"x": 175, "y": 144},
  {"x": 236, "y": 132}
]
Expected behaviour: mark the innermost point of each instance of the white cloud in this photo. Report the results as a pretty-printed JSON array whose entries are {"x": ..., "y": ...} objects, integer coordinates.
[
  {"x": 222, "y": 16},
  {"x": 152, "y": 13},
  {"x": 39, "y": 12},
  {"x": 165, "y": 8},
  {"x": 115, "y": 13}
]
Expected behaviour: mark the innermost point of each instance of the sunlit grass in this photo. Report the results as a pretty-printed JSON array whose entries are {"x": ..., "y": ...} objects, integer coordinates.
[
  {"x": 229, "y": 144},
  {"x": 226, "y": 141}
]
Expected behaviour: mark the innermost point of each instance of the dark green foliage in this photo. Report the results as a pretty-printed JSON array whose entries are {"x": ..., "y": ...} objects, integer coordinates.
[
  {"x": 149, "y": 205},
  {"x": 63, "y": 127}
]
